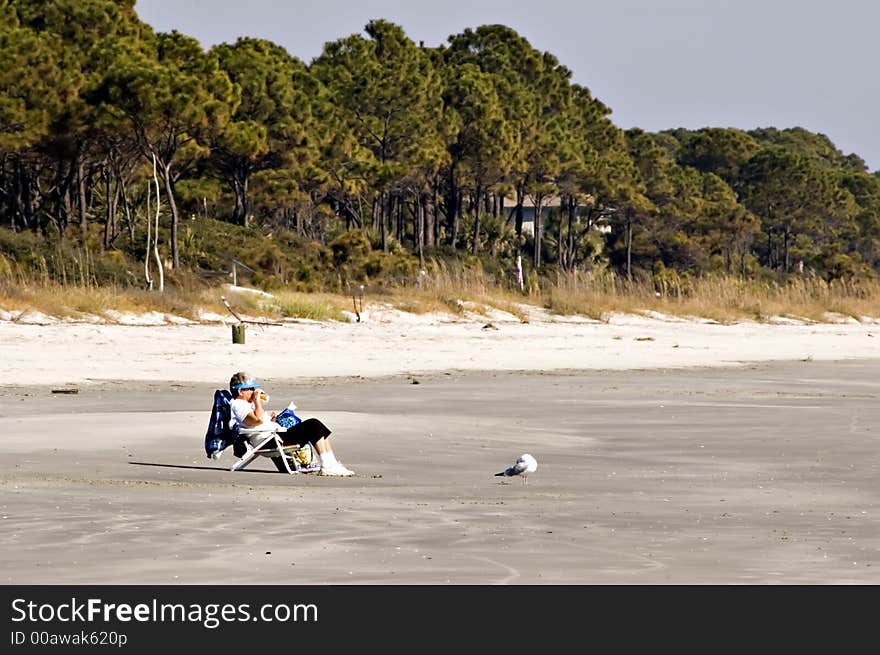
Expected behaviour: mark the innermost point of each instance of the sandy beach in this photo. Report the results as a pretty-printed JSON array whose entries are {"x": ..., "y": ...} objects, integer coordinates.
[
  {"x": 669, "y": 452},
  {"x": 37, "y": 350}
]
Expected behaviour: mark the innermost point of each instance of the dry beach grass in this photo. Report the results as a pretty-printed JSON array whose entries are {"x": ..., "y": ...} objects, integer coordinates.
[{"x": 726, "y": 299}]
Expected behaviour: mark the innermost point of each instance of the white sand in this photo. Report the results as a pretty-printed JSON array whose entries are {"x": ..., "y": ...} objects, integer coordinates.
[{"x": 35, "y": 349}]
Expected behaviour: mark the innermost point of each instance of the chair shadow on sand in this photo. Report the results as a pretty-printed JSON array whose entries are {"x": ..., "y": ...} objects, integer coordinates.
[{"x": 197, "y": 468}]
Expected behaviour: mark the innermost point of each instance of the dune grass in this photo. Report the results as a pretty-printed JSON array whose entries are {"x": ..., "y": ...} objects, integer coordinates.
[
  {"x": 314, "y": 306},
  {"x": 82, "y": 302},
  {"x": 469, "y": 290},
  {"x": 455, "y": 290},
  {"x": 725, "y": 299}
]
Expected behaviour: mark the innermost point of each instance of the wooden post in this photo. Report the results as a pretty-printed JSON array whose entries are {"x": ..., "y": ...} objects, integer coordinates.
[{"x": 238, "y": 332}]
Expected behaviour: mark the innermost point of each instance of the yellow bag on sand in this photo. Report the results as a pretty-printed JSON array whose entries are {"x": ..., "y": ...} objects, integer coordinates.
[{"x": 302, "y": 456}]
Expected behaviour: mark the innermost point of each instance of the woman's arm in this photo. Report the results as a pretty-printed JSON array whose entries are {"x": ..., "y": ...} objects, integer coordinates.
[
  {"x": 259, "y": 413},
  {"x": 256, "y": 416}
]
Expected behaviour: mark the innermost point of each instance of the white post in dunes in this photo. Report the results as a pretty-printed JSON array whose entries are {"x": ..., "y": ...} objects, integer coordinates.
[{"x": 519, "y": 272}]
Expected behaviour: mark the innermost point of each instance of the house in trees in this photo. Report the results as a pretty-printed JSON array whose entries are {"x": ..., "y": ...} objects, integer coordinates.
[
  {"x": 548, "y": 204},
  {"x": 528, "y": 226}
]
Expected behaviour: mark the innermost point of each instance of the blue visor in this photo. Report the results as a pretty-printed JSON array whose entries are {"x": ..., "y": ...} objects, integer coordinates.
[{"x": 248, "y": 384}]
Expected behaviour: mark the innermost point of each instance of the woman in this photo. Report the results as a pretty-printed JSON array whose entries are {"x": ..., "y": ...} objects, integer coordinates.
[{"x": 246, "y": 410}]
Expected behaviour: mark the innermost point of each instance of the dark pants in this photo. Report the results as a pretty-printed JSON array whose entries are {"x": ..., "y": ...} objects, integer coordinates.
[{"x": 309, "y": 431}]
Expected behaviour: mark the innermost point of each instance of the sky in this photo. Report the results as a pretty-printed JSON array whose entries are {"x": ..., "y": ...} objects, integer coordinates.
[{"x": 658, "y": 64}]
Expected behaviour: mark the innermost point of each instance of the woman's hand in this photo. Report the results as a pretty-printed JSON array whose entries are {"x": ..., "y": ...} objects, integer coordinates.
[{"x": 272, "y": 415}]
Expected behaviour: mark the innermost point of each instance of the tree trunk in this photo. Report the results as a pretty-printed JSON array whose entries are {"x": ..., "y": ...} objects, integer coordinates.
[
  {"x": 571, "y": 249},
  {"x": 65, "y": 189},
  {"x": 159, "y": 265},
  {"x": 419, "y": 230},
  {"x": 383, "y": 218},
  {"x": 111, "y": 192},
  {"x": 81, "y": 195},
  {"x": 54, "y": 202},
  {"x": 452, "y": 206},
  {"x": 437, "y": 221},
  {"x": 560, "y": 238},
  {"x": 375, "y": 211},
  {"x": 457, "y": 202},
  {"x": 786, "y": 239},
  {"x": 126, "y": 206},
  {"x": 629, "y": 240},
  {"x": 148, "y": 278},
  {"x": 520, "y": 197},
  {"x": 175, "y": 219},
  {"x": 536, "y": 254},
  {"x": 19, "y": 204},
  {"x": 239, "y": 217},
  {"x": 240, "y": 185},
  {"x": 400, "y": 227},
  {"x": 429, "y": 210},
  {"x": 475, "y": 246}
]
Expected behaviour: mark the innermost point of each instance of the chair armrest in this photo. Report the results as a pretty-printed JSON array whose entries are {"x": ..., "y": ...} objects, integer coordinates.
[{"x": 250, "y": 432}]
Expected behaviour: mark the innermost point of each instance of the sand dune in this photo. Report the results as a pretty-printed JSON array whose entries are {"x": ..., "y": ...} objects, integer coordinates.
[{"x": 388, "y": 342}]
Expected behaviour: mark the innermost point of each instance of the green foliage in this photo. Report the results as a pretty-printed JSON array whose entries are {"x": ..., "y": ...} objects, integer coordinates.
[
  {"x": 272, "y": 124},
  {"x": 36, "y": 258},
  {"x": 717, "y": 150},
  {"x": 816, "y": 147},
  {"x": 35, "y": 86},
  {"x": 390, "y": 97},
  {"x": 378, "y": 156},
  {"x": 796, "y": 198}
]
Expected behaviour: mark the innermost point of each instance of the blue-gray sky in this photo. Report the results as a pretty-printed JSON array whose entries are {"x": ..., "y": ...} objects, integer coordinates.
[{"x": 657, "y": 63}]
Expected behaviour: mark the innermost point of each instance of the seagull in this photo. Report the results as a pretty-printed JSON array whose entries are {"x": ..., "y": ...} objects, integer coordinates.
[{"x": 524, "y": 465}]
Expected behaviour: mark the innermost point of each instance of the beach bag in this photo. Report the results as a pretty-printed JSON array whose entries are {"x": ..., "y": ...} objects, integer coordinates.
[
  {"x": 304, "y": 459},
  {"x": 218, "y": 435}
]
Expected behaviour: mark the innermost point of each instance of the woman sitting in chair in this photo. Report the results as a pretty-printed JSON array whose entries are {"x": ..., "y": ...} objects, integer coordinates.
[{"x": 247, "y": 411}]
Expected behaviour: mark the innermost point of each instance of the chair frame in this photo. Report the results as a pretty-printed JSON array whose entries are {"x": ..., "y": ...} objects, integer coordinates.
[{"x": 270, "y": 446}]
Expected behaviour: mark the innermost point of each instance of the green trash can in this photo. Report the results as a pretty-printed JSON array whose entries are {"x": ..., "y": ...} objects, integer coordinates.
[{"x": 238, "y": 333}]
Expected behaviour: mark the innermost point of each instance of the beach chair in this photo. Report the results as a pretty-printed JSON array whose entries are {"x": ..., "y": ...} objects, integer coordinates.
[{"x": 266, "y": 443}]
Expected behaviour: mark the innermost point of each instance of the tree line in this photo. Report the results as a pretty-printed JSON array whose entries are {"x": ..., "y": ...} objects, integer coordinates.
[{"x": 111, "y": 131}]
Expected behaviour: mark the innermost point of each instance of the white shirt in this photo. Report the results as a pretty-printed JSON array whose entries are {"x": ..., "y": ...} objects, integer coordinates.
[{"x": 238, "y": 411}]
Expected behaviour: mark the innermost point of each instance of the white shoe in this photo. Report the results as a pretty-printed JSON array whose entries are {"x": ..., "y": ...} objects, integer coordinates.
[{"x": 337, "y": 470}]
